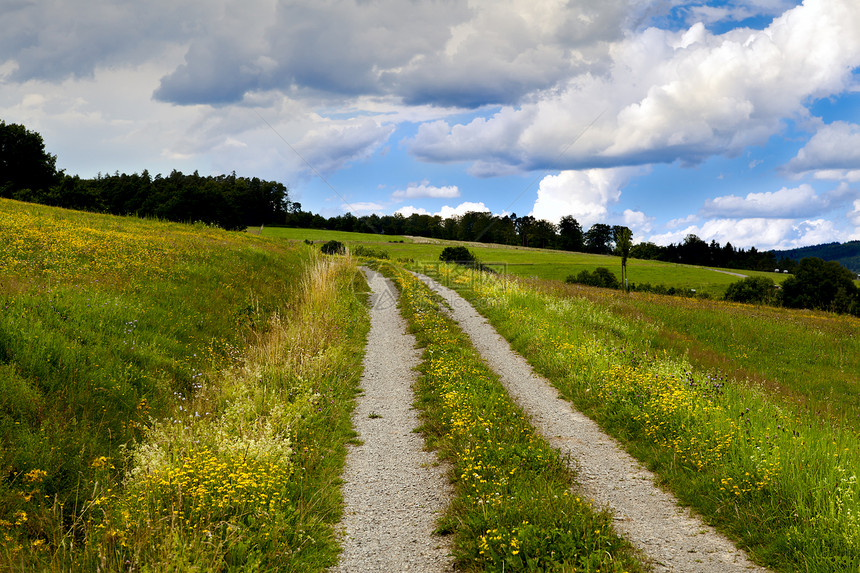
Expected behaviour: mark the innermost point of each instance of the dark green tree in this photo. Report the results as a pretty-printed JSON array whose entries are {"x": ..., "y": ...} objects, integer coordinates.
[
  {"x": 460, "y": 255},
  {"x": 27, "y": 171},
  {"x": 598, "y": 239},
  {"x": 570, "y": 234},
  {"x": 758, "y": 290},
  {"x": 822, "y": 285}
]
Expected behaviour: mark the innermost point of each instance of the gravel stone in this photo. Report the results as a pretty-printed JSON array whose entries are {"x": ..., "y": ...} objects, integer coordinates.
[
  {"x": 671, "y": 537},
  {"x": 394, "y": 490}
]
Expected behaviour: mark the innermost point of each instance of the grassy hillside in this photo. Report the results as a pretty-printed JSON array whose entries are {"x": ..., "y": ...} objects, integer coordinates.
[
  {"x": 528, "y": 262},
  {"x": 169, "y": 394}
]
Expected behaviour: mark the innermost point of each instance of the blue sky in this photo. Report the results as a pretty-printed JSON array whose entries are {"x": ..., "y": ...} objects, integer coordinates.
[{"x": 735, "y": 120}]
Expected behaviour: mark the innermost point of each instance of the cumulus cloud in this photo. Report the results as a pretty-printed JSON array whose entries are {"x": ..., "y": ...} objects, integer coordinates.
[
  {"x": 797, "y": 202},
  {"x": 505, "y": 50},
  {"x": 58, "y": 39},
  {"x": 447, "y": 212},
  {"x": 424, "y": 189},
  {"x": 638, "y": 222},
  {"x": 785, "y": 203},
  {"x": 336, "y": 47},
  {"x": 764, "y": 234},
  {"x": 586, "y": 194},
  {"x": 409, "y": 210},
  {"x": 669, "y": 96},
  {"x": 835, "y": 148}
]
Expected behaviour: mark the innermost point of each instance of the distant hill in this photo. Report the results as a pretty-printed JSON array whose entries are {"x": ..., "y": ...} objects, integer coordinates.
[{"x": 846, "y": 253}]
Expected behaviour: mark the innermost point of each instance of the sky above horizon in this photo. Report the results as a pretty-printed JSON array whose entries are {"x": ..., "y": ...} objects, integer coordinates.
[{"x": 735, "y": 120}]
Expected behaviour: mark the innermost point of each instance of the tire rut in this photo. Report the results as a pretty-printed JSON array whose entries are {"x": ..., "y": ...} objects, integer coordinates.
[
  {"x": 393, "y": 489},
  {"x": 671, "y": 538}
]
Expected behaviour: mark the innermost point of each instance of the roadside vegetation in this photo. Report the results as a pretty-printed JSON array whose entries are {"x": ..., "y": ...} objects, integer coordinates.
[
  {"x": 171, "y": 396},
  {"x": 748, "y": 414},
  {"x": 514, "y": 509}
]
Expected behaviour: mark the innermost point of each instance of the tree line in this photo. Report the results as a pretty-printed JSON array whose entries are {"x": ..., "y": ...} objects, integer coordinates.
[
  {"x": 527, "y": 231},
  {"x": 29, "y": 173}
]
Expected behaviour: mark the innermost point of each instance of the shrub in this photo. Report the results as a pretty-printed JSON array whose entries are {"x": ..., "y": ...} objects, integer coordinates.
[
  {"x": 752, "y": 290},
  {"x": 460, "y": 255},
  {"x": 601, "y": 277},
  {"x": 333, "y": 248}
]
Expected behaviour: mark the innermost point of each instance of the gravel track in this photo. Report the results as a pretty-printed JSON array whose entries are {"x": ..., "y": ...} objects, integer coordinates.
[
  {"x": 670, "y": 537},
  {"x": 394, "y": 490}
]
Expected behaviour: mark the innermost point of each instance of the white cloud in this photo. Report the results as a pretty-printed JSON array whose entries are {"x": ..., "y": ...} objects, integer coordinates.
[
  {"x": 847, "y": 175},
  {"x": 669, "y": 96},
  {"x": 410, "y": 210},
  {"x": 764, "y": 234},
  {"x": 584, "y": 194},
  {"x": 854, "y": 215},
  {"x": 424, "y": 189},
  {"x": 447, "y": 212},
  {"x": 785, "y": 203},
  {"x": 835, "y": 148},
  {"x": 682, "y": 222},
  {"x": 798, "y": 202},
  {"x": 363, "y": 207},
  {"x": 638, "y": 222}
]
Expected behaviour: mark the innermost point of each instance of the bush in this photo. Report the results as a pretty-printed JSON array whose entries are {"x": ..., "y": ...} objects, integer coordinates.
[
  {"x": 601, "y": 277},
  {"x": 460, "y": 255},
  {"x": 333, "y": 248},
  {"x": 759, "y": 290},
  {"x": 822, "y": 285}
]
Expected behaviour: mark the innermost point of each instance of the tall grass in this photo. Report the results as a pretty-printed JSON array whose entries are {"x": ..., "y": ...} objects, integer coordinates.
[
  {"x": 779, "y": 479},
  {"x": 172, "y": 396}
]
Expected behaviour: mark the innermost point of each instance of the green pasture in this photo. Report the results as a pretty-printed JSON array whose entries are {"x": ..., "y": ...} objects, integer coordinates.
[
  {"x": 321, "y": 235},
  {"x": 536, "y": 263}
]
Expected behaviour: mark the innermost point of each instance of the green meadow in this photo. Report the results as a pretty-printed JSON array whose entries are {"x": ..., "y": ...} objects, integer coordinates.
[
  {"x": 172, "y": 397},
  {"x": 748, "y": 414},
  {"x": 530, "y": 262},
  {"x": 177, "y": 397}
]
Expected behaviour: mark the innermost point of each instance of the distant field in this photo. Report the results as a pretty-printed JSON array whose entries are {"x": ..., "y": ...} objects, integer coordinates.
[
  {"x": 539, "y": 263},
  {"x": 322, "y": 235}
]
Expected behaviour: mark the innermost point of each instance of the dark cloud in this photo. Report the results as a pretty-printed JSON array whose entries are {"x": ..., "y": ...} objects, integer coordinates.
[
  {"x": 335, "y": 47},
  {"x": 57, "y": 39}
]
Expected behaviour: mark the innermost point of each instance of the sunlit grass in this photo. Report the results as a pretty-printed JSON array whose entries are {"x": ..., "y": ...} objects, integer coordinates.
[
  {"x": 775, "y": 475},
  {"x": 172, "y": 396}
]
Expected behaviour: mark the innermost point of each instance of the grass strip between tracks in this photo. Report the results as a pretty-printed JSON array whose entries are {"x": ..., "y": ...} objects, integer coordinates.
[{"x": 514, "y": 508}]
